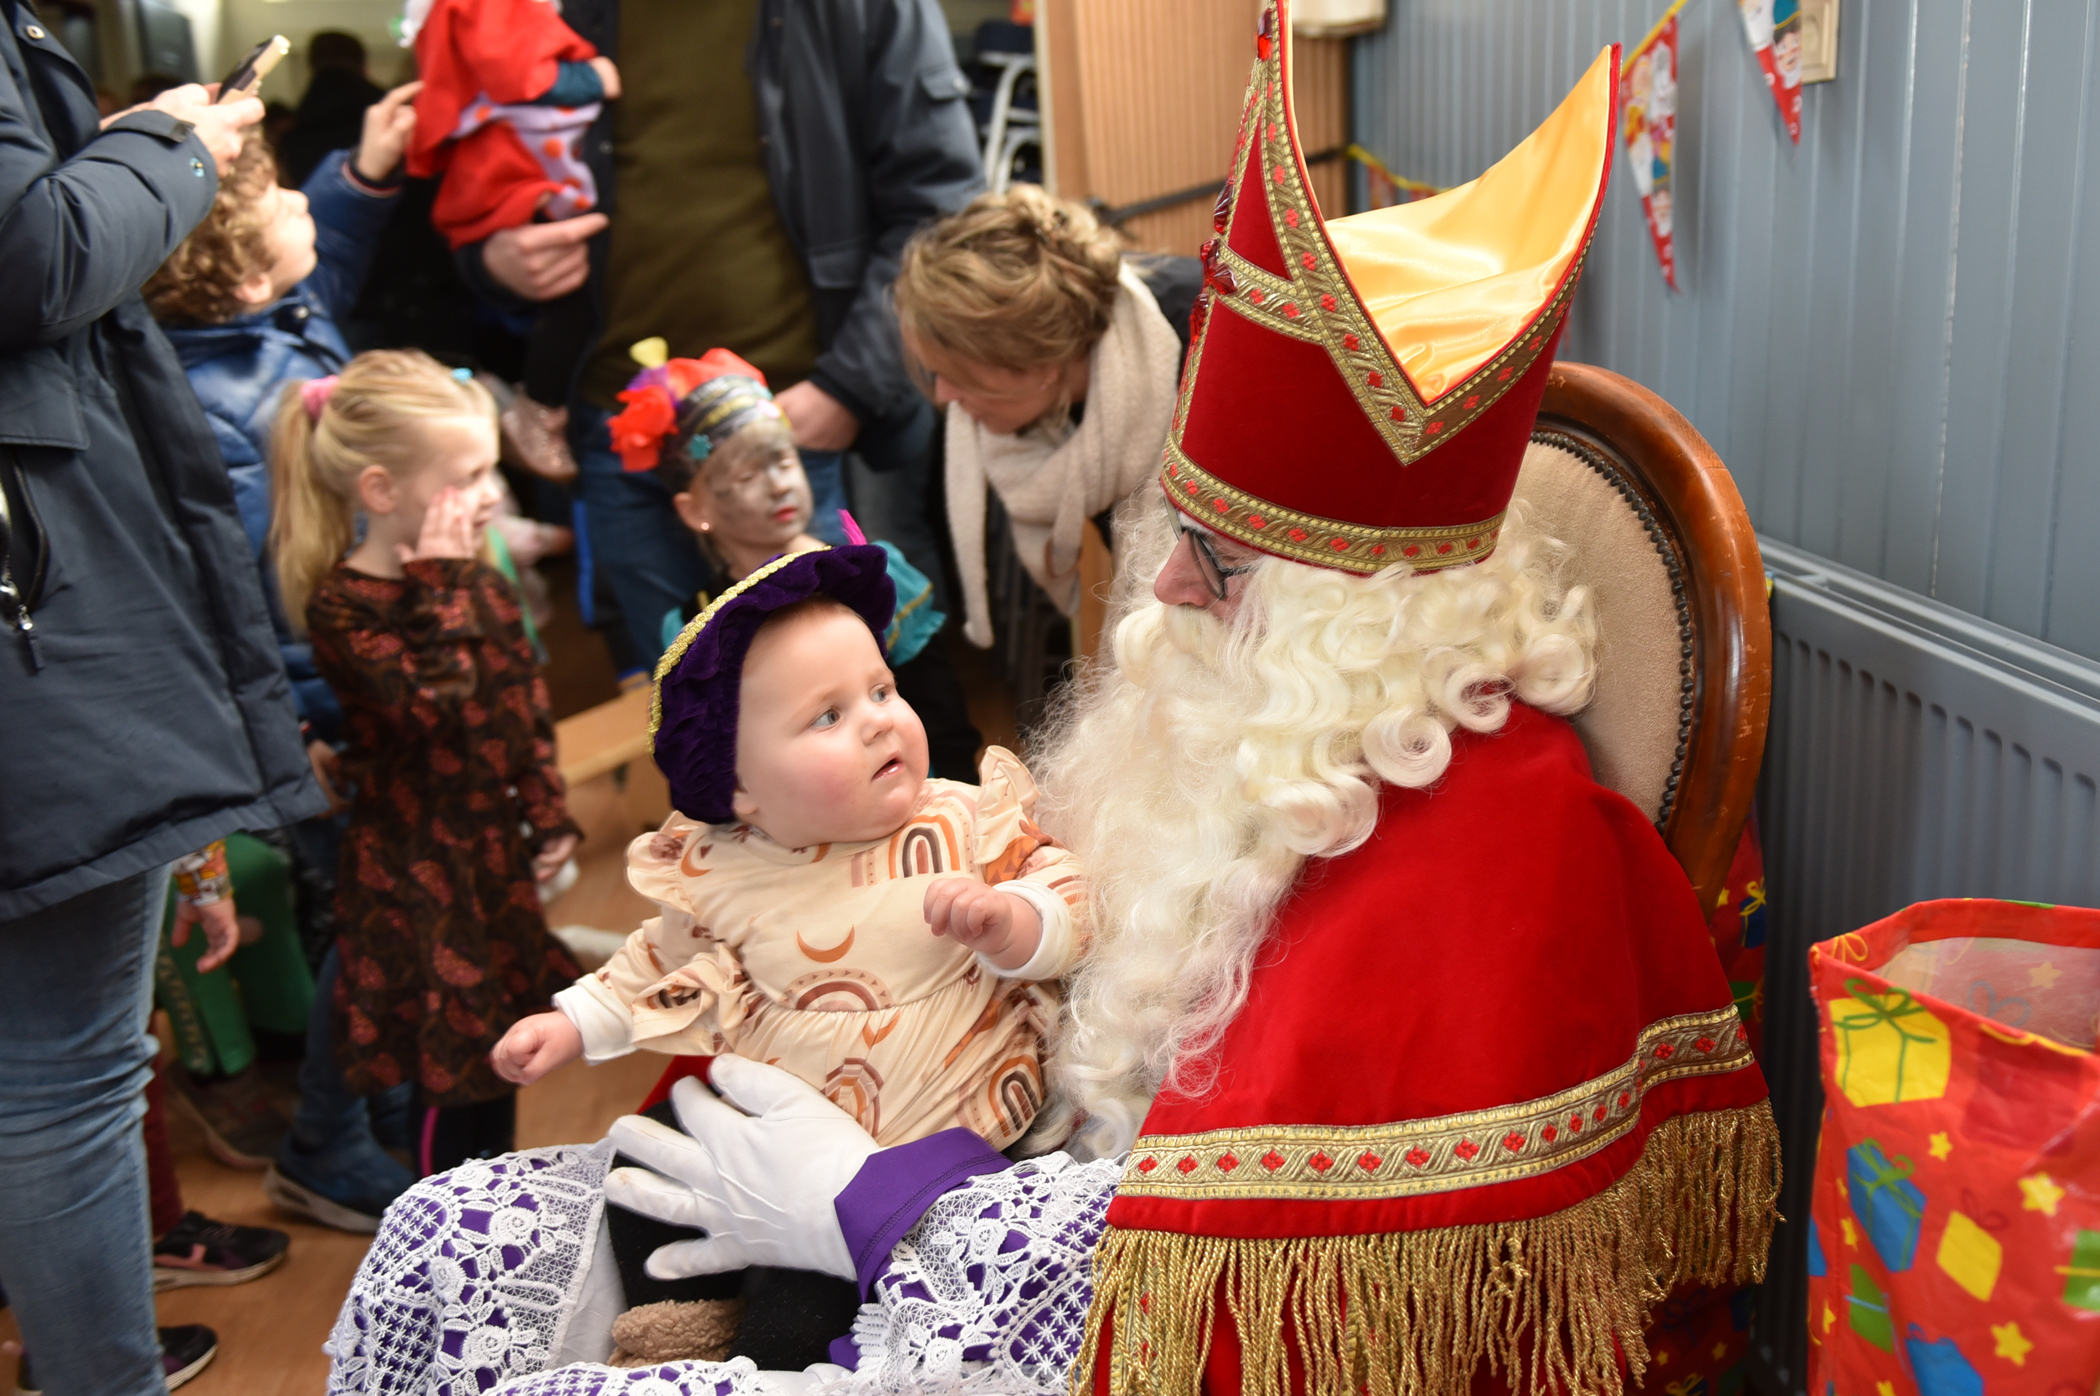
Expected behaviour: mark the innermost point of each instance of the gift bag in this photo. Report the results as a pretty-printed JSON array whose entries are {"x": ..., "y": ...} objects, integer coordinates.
[{"x": 1954, "y": 1236}]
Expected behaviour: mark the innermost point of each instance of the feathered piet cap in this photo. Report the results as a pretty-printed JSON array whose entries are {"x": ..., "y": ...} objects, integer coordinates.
[
  {"x": 689, "y": 405},
  {"x": 1360, "y": 393},
  {"x": 692, "y": 717}
]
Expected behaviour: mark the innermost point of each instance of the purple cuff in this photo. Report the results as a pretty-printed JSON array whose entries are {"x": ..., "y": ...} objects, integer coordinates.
[{"x": 895, "y": 1187}]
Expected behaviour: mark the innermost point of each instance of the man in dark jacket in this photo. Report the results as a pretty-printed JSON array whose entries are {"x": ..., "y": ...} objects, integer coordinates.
[
  {"x": 331, "y": 114},
  {"x": 761, "y": 206},
  {"x": 146, "y": 710}
]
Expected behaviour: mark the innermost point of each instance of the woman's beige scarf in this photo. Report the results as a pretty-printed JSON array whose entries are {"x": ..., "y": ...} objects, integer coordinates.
[{"x": 1051, "y": 485}]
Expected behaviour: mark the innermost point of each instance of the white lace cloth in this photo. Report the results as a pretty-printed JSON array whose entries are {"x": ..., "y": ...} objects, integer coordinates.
[{"x": 475, "y": 1274}]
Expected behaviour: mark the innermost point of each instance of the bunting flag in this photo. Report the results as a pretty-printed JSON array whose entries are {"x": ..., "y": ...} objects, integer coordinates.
[
  {"x": 1648, "y": 97},
  {"x": 1384, "y": 187},
  {"x": 1774, "y": 29}
]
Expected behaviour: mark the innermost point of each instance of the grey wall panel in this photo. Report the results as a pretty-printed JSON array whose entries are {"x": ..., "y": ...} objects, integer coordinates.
[{"x": 1888, "y": 332}]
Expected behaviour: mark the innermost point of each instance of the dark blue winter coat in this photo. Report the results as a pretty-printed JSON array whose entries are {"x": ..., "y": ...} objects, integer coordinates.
[
  {"x": 144, "y": 710},
  {"x": 239, "y": 370}
]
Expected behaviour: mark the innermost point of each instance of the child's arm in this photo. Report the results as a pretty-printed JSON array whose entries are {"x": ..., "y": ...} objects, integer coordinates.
[{"x": 350, "y": 196}]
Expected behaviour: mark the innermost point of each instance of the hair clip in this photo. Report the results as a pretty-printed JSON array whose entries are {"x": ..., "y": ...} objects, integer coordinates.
[
  {"x": 463, "y": 375},
  {"x": 313, "y": 395}
]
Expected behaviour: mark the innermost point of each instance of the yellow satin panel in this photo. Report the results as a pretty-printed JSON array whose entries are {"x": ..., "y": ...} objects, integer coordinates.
[{"x": 1452, "y": 279}]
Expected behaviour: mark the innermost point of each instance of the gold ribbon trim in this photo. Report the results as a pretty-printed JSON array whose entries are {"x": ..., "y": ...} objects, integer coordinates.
[
  {"x": 1308, "y": 537},
  {"x": 1329, "y": 1163},
  {"x": 1549, "y": 1303}
]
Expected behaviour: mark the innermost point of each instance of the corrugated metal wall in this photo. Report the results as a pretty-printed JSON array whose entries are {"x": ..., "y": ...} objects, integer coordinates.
[{"x": 1888, "y": 333}]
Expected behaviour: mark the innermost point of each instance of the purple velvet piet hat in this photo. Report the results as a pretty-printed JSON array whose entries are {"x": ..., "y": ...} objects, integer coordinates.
[{"x": 692, "y": 718}]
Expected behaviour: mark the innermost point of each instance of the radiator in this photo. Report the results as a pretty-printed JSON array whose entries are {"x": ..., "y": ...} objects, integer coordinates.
[{"x": 1915, "y": 752}]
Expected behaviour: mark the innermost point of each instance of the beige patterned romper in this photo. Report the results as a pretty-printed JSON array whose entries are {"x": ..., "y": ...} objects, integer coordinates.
[{"x": 819, "y": 960}]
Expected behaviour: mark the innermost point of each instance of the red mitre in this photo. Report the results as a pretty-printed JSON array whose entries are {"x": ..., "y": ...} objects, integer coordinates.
[{"x": 1360, "y": 393}]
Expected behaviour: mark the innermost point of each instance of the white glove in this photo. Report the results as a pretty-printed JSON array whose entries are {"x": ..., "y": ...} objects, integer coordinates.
[{"x": 760, "y": 1183}]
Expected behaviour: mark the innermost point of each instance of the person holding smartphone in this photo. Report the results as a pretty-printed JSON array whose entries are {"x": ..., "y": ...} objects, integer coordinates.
[{"x": 148, "y": 713}]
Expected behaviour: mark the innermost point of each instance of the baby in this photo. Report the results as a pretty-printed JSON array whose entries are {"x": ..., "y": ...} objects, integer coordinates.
[{"x": 825, "y": 906}]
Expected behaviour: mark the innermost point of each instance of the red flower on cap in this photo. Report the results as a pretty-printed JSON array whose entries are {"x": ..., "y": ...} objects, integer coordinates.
[{"x": 638, "y": 432}]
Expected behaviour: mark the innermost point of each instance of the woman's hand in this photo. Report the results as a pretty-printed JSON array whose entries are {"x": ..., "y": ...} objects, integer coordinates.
[
  {"x": 448, "y": 530},
  {"x": 390, "y": 123},
  {"x": 222, "y": 930},
  {"x": 553, "y": 853},
  {"x": 535, "y": 1046},
  {"x": 218, "y": 125},
  {"x": 998, "y": 925}
]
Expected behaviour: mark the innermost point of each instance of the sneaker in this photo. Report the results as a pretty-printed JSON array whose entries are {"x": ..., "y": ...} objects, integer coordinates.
[
  {"x": 200, "y": 1251},
  {"x": 184, "y": 1352},
  {"x": 239, "y": 1115},
  {"x": 538, "y": 435},
  {"x": 347, "y": 1188}
]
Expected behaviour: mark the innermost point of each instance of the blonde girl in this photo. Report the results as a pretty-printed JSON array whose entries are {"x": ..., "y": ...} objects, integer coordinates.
[
  {"x": 458, "y": 811},
  {"x": 1056, "y": 359}
]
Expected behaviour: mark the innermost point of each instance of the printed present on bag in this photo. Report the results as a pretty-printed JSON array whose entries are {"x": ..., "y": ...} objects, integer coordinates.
[
  {"x": 1889, "y": 1047},
  {"x": 2082, "y": 1275},
  {"x": 1888, "y": 1204},
  {"x": 1940, "y": 1368},
  {"x": 1817, "y": 1265},
  {"x": 1870, "y": 1311},
  {"x": 1970, "y": 1255}
]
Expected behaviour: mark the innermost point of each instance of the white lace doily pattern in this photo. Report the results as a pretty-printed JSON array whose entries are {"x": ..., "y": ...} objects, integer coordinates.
[
  {"x": 471, "y": 1276},
  {"x": 989, "y": 1292},
  {"x": 736, "y": 1377}
]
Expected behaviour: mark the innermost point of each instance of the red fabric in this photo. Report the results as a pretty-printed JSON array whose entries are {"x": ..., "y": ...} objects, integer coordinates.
[
  {"x": 501, "y": 51},
  {"x": 491, "y": 183},
  {"x": 165, "y": 1191},
  {"x": 1502, "y": 937},
  {"x": 678, "y": 1070}
]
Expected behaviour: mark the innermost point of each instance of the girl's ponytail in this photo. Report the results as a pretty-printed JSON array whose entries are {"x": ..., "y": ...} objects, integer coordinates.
[
  {"x": 329, "y": 431},
  {"x": 312, "y": 522}
]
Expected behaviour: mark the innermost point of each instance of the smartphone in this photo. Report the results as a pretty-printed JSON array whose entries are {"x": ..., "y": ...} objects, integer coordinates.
[{"x": 255, "y": 67}]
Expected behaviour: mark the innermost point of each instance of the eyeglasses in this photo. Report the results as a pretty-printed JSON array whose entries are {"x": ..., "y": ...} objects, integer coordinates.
[{"x": 1214, "y": 573}]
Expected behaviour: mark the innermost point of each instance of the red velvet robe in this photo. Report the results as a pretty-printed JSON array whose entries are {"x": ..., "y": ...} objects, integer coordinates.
[{"x": 1489, "y": 1059}]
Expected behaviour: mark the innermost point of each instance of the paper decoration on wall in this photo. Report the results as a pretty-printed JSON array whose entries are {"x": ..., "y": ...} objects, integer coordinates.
[
  {"x": 1384, "y": 187},
  {"x": 1648, "y": 97},
  {"x": 1774, "y": 28}
]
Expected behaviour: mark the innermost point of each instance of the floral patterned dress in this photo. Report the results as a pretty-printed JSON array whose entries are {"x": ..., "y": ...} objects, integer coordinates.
[{"x": 452, "y": 753}]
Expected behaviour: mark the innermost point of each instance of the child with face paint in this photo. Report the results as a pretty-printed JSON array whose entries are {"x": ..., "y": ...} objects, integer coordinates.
[{"x": 711, "y": 431}]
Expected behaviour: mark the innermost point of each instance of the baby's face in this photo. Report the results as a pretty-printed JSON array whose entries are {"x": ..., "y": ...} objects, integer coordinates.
[{"x": 826, "y": 752}]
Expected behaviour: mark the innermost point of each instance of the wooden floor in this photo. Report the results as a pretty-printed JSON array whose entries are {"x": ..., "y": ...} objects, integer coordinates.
[{"x": 271, "y": 1330}]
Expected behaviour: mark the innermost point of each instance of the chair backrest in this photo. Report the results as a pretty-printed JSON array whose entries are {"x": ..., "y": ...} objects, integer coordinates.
[{"x": 1684, "y": 672}]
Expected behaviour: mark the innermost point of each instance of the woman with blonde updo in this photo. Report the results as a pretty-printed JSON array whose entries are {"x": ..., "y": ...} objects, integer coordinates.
[
  {"x": 1056, "y": 358},
  {"x": 458, "y": 815}
]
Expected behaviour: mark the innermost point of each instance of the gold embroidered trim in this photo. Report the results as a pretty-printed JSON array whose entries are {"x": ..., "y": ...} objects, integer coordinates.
[
  {"x": 1332, "y": 1163},
  {"x": 1310, "y": 538},
  {"x": 1550, "y": 1303},
  {"x": 697, "y": 624}
]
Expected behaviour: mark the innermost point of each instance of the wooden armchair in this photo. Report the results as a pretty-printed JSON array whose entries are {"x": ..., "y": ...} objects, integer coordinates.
[{"x": 1660, "y": 535}]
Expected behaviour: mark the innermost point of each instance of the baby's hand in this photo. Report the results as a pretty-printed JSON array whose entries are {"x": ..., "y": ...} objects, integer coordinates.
[
  {"x": 535, "y": 1046},
  {"x": 998, "y": 925},
  {"x": 608, "y": 77}
]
